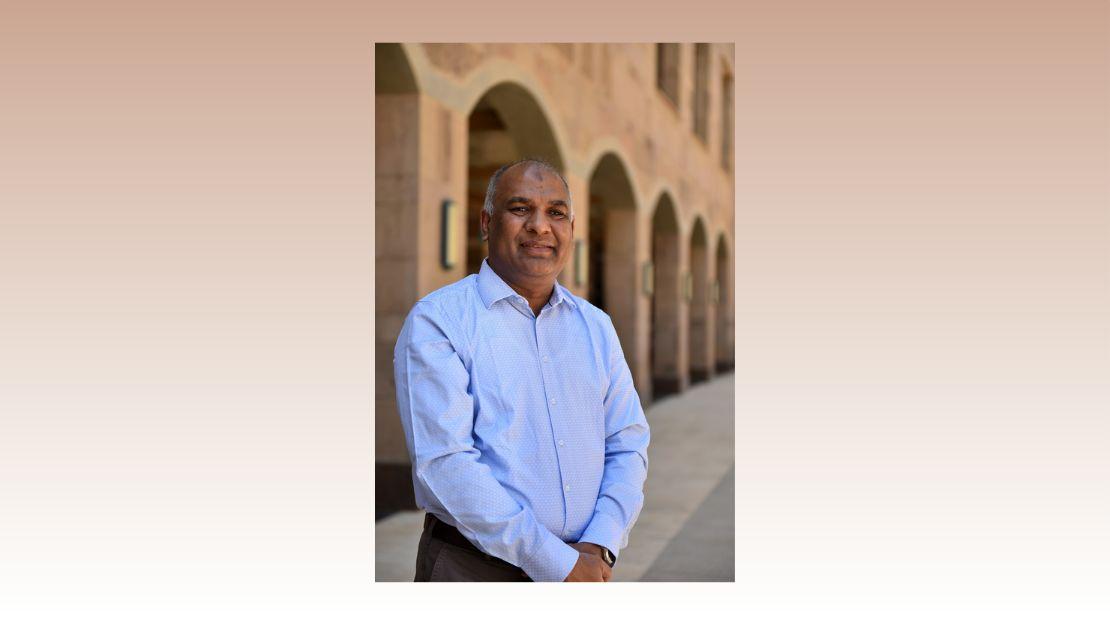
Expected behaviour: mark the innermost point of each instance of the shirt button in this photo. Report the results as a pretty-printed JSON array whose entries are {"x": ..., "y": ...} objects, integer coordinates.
[
  {"x": 546, "y": 359},
  {"x": 561, "y": 443},
  {"x": 553, "y": 401},
  {"x": 566, "y": 488}
]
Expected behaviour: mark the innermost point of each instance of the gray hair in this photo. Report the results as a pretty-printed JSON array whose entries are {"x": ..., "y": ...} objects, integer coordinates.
[{"x": 491, "y": 190}]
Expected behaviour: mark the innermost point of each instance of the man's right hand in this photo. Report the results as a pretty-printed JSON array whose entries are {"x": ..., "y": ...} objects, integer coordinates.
[{"x": 589, "y": 568}]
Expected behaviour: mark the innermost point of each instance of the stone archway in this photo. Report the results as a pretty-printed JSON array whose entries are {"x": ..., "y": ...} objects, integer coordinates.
[
  {"x": 700, "y": 349},
  {"x": 505, "y": 124},
  {"x": 613, "y": 284},
  {"x": 666, "y": 374},
  {"x": 724, "y": 340}
]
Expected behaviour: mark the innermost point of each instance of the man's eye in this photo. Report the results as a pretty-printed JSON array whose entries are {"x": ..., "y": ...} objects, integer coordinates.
[
  {"x": 518, "y": 209},
  {"x": 557, "y": 214}
]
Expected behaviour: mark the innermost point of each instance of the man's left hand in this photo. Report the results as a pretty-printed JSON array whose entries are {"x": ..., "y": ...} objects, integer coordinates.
[{"x": 594, "y": 550}]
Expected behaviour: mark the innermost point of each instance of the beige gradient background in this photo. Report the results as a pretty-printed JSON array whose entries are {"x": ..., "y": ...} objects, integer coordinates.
[{"x": 922, "y": 316}]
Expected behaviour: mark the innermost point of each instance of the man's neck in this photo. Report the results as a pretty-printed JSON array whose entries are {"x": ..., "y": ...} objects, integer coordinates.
[{"x": 536, "y": 292}]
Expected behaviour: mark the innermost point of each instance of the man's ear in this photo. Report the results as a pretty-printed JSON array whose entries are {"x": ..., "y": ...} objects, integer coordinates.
[{"x": 483, "y": 224}]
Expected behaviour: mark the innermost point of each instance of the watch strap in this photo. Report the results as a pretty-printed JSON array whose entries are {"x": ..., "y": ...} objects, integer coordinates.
[{"x": 608, "y": 556}]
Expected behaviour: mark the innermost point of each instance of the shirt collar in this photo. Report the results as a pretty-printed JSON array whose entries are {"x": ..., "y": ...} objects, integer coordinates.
[
  {"x": 491, "y": 288},
  {"x": 560, "y": 295}
]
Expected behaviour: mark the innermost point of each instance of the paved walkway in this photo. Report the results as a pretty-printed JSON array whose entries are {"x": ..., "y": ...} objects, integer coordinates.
[
  {"x": 686, "y": 529},
  {"x": 703, "y": 550}
]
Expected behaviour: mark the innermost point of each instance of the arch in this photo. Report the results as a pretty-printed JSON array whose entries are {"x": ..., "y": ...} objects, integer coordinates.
[
  {"x": 666, "y": 374},
  {"x": 700, "y": 349},
  {"x": 611, "y": 204},
  {"x": 496, "y": 72},
  {"x": 464, "y": 93},
  {"x": 506, "y": 123},
  {"x": 393, "y": 72},
  {"x": 606, "y": 147},
  {"x": 723, "y": 312},
  {"x": 662, "y": 190}
]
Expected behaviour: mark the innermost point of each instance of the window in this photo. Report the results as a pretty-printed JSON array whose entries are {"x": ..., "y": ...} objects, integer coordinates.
[
  {"x": 726, "y": 121},
  {"x": 701, "y": 91},
  {"x": 666, "y": 70}
]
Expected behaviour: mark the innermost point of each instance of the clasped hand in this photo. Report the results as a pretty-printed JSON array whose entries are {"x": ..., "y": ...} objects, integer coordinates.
[{"x": 590, "y": 566}]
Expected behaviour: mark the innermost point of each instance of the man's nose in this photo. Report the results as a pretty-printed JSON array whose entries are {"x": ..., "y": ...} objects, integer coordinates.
[{"x": 538, "y": 222}]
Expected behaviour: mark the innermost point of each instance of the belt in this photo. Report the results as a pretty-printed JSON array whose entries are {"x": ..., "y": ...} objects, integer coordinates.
[{"x": 450, "y": 535}]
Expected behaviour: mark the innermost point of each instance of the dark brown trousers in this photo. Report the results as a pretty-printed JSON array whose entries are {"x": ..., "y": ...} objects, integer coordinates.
[{"x": 441, "y": 561}]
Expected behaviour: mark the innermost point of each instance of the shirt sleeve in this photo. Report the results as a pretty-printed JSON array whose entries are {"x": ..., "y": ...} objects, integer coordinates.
[
  {"x": 621, "y": 496},
  {"x": 437, "y": 413}
]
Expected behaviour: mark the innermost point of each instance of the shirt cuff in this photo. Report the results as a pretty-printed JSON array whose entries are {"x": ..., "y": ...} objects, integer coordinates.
[
  {"x": 605, "y": 531},
  {"x": 553, "y": 562}
]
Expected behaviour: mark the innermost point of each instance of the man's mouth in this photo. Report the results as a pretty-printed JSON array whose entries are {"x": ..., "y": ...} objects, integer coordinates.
[{"x": 537, "y": 248}]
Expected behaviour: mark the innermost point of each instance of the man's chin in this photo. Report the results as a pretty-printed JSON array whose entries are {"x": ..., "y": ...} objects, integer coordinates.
[{"x": 540, "y": 267}]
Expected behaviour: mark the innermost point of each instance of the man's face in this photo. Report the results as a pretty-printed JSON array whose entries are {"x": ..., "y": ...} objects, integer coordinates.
[{"x": 530, "y": 232}]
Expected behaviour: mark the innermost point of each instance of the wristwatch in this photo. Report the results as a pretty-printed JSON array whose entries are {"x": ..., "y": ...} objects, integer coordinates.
[{"x": 607, "y": 556}]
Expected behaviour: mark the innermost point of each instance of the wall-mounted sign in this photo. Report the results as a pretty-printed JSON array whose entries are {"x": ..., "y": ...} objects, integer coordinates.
[{"x": 448, "y": 229}]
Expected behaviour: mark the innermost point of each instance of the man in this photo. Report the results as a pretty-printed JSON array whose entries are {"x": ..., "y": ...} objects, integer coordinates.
[{"x": 527, "y": 439}]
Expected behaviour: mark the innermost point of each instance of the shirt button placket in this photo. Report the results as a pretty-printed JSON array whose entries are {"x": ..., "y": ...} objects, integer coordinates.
[
  {"x": 544, "y": 371},
  {"x": 552, "y": 401}
]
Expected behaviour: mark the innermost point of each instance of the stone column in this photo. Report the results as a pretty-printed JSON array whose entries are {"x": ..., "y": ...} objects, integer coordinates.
[
  {"x": 682, "y": 321},
  {"x": 580, "y": 196},
  {"x": 397, "y": 253}
]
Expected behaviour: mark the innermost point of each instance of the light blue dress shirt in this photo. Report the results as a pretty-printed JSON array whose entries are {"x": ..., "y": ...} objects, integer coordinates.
[{"x": 524, "y": 430}]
